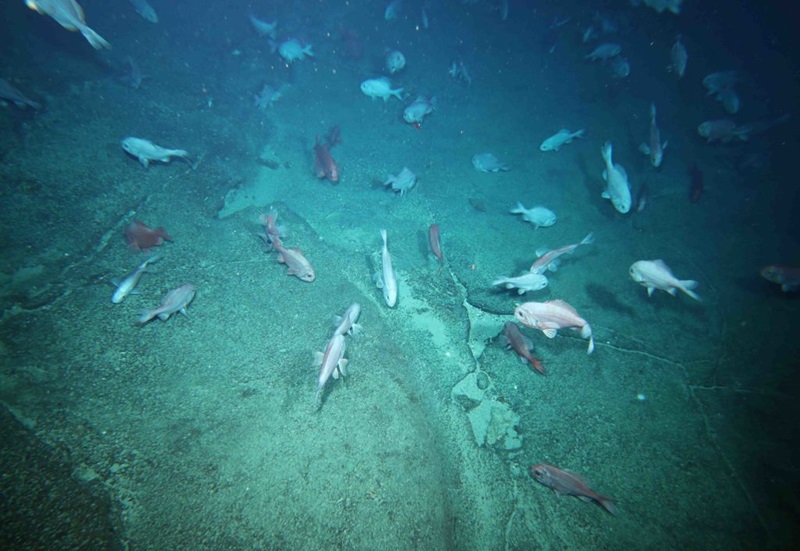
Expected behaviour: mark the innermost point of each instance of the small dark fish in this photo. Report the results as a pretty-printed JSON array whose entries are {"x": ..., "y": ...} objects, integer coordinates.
[
  {"x": 642, "y": 199},
  {"x": 697, "y": 188}
]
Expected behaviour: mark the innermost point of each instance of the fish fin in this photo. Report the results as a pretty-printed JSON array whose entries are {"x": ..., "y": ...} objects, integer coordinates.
[
  {"x": 589, "y": 239},
  {"x": 644, "y": 148},
  {"x": 672, "y": 291},
  {"x": 115, "y": 282},
  {"x": 163, "y": 316},
  {"x": 378, "y": 279},
  {"x": 541, "y": 251},
  {"x": 607, "y": 504},
  {"x": 605, "y": 195},
  {"x": 145, "y": 162},
  {"x": 521, "y": 291},
  {"x": 650, "y": 291},
  {"x": 661, "y": 264},
  {"x": 550, "y": 332},
  {"x": 687, "y": 285},
  {"x": 342, "y": 367},
  {"x": 503, "y": 341},
  {"x": 553, "y": 266},
  {"x": 318, "y": 356},
  {"x": 605, "y": 177},
  {"x": 622, "y": 171},
  {"x": 355, "y": 329},
  {"x": 562, "y": 304}
]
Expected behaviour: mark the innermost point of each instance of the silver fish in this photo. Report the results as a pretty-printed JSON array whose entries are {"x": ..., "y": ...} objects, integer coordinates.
[{"x": 130, "y": 281}]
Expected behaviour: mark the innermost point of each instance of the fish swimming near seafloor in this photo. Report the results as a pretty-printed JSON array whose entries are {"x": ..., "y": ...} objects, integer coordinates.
[
  {"x": 8, "y": 92},
  {"x": 146, "y": 151},
  {"x": 563, "y": 136},
  {"x": 618, "y": 189},
  {"x": 69, "y": 14},
  {"x": 130, "y": 281}
]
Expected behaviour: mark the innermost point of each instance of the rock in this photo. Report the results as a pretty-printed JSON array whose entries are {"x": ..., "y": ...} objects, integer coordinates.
[
  {"x": 494, "y": 424},
  {"x": 471, "y": 390}
]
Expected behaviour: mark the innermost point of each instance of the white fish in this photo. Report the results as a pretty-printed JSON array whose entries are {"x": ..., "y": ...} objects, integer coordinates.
[
  {"x": 424, "y": 18},
  {"x": 292, "y": 51},
  {"x": 386, "y": 279},
  {"x": 620, "y": 67},
  {"x": 392, "y": 10},
  {"x": 69, "y": 14},
  {"x": 604, "y": 52},
  {"x": 714, "y": 83},
  {"x": 486, "y": 162},
  {"x": 655, "y": 274},
  {"x": 526, "y": 282},
  {"x": 177, "y": 300},
  {"x": 130, "y": 281},
  {"x": 264, "y": 28},
  {"x": 563, "y": 136},
  {"x": 395, "y": 61},
  {"x": 730, "y": 100},
  {"x": 380, "y": 88},
  {"x": 540, "y": 217},
  {"x": 655, "y": 149},
  {"x": 147, "y": 151},
  {"x": 8, "y": 92},
  {"x": 332, "y": 362},
  {"x": 617, "y": 187},
  {"x": 346, "y": 323},
  {"x": 145, "y": 10},
  {"x": 660, "y": 6},
  {"x": 418, "y": 110},
  {"x": 679, "y": 57},
  {"x": 403, "y": 182}
]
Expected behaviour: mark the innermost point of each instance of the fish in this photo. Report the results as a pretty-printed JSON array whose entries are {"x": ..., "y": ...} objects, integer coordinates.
[
  {"x": 551, "y": 316},
  {"x": 392, "y": 10},
  {"x": 264, "y": 28},
  {"x": 723, "y": 130},
  {"x": 380, "y": 88},
  {"x": 415, "y": 113},
  {"x": 268, "y": 96},
  {"x": 604, "y": 52},
  {"x": 642, "y": 199},
  {"x": 346, "y": 323},
  {"x": 549, "y": 260},
  {"x": 539, "y": 216},
  {"x": 386, "y": 279},
  {"x": 487, "y": 162},
  {"x": 10, "y": 93},
  {"x": 145, "y": 10},
  {"x": 395, "y": 61},
  {"x": 331, "y": 362},
  {"x": 140, "y": 237},
  {"x": 297, "y": 265},
  {"x": 434, "y": 242},
  {"x": 673, "y": 6},
  {"x": 272, "y": 231},
  {"x": 132, "y": 75},
  {"x": 512, "y": 338},
  {"x": 324, "y": 165},
  {"x": 147, "y": 151},
  {"x": 620, "y": 67},
  {"x": 714, "y": 83},
  {"x": 679, "y": 57},
  {"x": 130, "y": 281},
  {"x": 563, "y": 136},
  {"x": 291, "y": 51},
  {"x": 570, "y": 484},
  {"x": 655, "y": 149},
  {"x": 528, "y": 281},
  {"x": 696, "y": 188},
  {"x": 655, "y": 274},
  {"x": 788, "y": 277},
  {"x": 618, "y": 189},
  {"x": 403, "y": 182},
  {"x": 69, "y": 14},
  {"x": 176, "y": 300},
  {"x": 730, "y": 100},
  {"x": 458, "y": 71}
]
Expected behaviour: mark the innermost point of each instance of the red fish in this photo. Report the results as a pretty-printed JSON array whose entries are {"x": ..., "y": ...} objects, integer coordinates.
[
  {"x": 141, "y": 237},
  {"x": 513, "y": 338},
  {"x": 324, "y": 165},
  {"x": 296, "y": 263},
  {"x": 571, "y": 484},
  {"x": 177, "y": 300},
  {"x": 697, "y": 188},
  {"x": 434, "y": 243}
]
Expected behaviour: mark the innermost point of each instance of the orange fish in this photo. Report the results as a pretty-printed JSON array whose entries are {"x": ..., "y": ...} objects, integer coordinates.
[{"x": 570, "y": 484}]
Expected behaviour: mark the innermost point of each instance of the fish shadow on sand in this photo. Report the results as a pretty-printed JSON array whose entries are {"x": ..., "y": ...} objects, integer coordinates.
[{"x": 608, "y": 300}]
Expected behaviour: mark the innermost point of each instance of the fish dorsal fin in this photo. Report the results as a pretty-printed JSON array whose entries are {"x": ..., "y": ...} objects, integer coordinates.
[
  {"x": 564, "y": 131},
  {"x": 541, "y": 251},
  {"x": 621, "y": 170},
  {"x": 661, "y": 264},
  {"x": 561, "y": 304}
]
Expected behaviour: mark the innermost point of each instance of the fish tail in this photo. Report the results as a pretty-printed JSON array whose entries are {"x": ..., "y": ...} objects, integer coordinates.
[
  {"x": 588, "y": 239},
  {"x": 687, "y": 285},
  {"x": 97, "y": 41},
  {"x": 608, "y": 504}
]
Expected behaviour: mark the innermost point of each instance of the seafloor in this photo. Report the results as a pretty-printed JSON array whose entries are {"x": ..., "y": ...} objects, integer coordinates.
[{"x": 202, "y": 432}]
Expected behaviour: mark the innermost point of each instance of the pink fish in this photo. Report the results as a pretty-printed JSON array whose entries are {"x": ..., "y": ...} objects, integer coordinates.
[
  {"x": 332, "y": 362},
  {"x": 570, "y": 484},
  {"x": 513, "y": 338},
  {"x": 175, "y": 301},
  {"x": 435, "y": 243},
  {"x": 297, "y": 264},
  {"x": 551, "y": 316},
  {"x": 548, "y": 260},
  {"x": 271, "y": 230}
]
